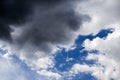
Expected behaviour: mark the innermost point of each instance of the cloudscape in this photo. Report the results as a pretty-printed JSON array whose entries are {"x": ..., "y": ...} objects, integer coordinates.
[{"x": 59, "y": 40}]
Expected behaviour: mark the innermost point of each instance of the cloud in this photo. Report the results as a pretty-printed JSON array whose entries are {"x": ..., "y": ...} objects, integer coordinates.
[
  {"x": 108, "y": 57},
  {"x": 39, "y": 24},
  {"x": 42, "y": 23},
  {"x": 105, "y": 68},
  {"x": 13, "y": 68},
  {"x": 109, "y": 53},
  {"x": 50, "y": 75},
  {"x": 49, "y": 26},
  {"x": 103, "y": 13},
  {"x": 109, "y": 45},
  {"x": 9, "y": 70}
]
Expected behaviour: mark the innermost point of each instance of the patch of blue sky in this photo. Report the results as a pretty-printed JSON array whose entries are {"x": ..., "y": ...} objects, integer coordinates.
[
  {"x": 102, "y": 34},
  {"x": 2, "y": 52},
  {"x": 64, "y": 60}
]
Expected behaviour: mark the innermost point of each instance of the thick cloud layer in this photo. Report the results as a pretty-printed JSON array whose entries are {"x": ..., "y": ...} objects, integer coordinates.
[
  {"x": 16, "y": 11},
  {"x": 39, "y": 25}
]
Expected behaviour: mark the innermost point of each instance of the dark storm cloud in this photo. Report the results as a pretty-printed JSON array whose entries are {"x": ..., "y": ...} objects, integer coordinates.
[
  {"x": 11, "y": 12},
  {"x": 15, "y": 11},
  {"x": 44, "y": 22}
]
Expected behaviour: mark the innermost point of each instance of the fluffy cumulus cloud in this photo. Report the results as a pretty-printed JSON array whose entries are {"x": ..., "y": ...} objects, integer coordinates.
[
  {"x": 105, "y": 68},
  {"x": 102, "y": 12},
  {"x": 12, "y": 70},
  {"x": 8, "y": 70},
  {"x": 108, "y": 45},
  {"x": 50, "y": 75}
]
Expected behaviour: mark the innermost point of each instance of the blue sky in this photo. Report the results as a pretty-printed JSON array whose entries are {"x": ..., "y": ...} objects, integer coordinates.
[{"x": 71, "y": 40}]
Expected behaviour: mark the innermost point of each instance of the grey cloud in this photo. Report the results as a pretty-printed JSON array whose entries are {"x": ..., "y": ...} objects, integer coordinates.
[{"x": 43, "y": 23}]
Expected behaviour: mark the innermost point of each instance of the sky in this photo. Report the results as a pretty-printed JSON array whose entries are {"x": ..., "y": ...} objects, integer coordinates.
[{"x": 59, "y": 40}]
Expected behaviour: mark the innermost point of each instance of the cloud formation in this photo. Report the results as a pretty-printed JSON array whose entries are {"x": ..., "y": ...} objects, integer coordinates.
[
  {"x": 109, "y": 45},
  {"x": 11, "y": 69},
  {"x": 105, "y": 68},
  {"x": 103, "y": 14},
  {"x": 41, "y": 23}
]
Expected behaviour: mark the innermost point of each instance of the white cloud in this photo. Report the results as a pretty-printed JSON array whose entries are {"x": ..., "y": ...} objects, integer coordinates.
[
  {"x": 41, "y": 63},
  {"x": 10, "y": 70},
  {"x": 108, "y": 56},
  {"x": 109, "y": 45},
  {"x": 77, "y": 68},
  {"x": 103, "y": 14},
  {"x": 50, "y": 75},
  {"x": 104, "y": 69},
  {"x": 36, "y": 63},
  {"x": 110, "y": 66}
]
